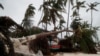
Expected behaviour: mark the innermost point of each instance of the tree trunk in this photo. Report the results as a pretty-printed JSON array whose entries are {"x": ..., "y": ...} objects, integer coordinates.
[
  {"x": 68, "y": 15},
  {"x": 54, "y": 26},
  {"x": 91, "y": 18},
  {"x": 50, "y": 33},
  {"x": 61, "y": 35},
  {"x": 46, "y": 26}
]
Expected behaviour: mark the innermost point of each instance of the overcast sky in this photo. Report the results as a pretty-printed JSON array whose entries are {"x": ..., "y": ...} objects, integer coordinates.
[{"x": 16, "y": 10}]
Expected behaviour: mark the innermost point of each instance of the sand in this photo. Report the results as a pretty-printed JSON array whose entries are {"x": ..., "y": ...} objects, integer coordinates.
[
  {"x": 76, "y": 54},
  {"x": 24, "y": 50}
]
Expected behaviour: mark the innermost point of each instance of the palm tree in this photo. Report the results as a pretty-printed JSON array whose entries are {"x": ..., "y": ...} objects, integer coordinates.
[
  {"x": 70, "y": 2},
  {"x": 26, "y": 23},
  {"x": 1, "y": 6},
  {"x": 53, "y": 16},
  {"x": 92, "y": 7},
  {"x": 51, "y": 10},
  {"x": 88, "y": 37},
  {"x": 78, "y": 6},
  {"x": 45, "y": 11},
  {"x": 76, "y": 14}
]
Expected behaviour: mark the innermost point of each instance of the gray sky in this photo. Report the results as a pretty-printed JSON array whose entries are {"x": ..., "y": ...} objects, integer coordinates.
[{"x": 16, "y": 10}]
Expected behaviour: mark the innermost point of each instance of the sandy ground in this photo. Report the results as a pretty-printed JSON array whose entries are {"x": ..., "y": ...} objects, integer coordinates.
[
  {"x": 24, "y": 50},
  {"x": 76, "y": 54}
]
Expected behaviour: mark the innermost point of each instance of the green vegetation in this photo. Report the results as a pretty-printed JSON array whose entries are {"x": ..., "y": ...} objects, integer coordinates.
[{"x": 84, "y": 36}]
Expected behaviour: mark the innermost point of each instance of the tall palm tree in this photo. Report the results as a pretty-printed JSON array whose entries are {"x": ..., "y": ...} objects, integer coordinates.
[
  {"x": 92, "y": 7},
  {"x": 78, "y": 6},
  {"x": 69, "y": 2},
  {"x": 26, "y": 23},
  {"x": 76, "y": 12}
]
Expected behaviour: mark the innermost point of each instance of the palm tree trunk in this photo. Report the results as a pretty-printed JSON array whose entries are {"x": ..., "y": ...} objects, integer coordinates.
[
  {"x": 78, "y": 13},
  {"x": 77, "y": 8},
  {"x": 61, "y": 35},
  {"x": 54, "y": 26},
  {"x": 46, "y": 26},
  {"x": 54, "y": 32},
  {"x": 68, "y": 15},
  {"x": 91, "y": 19}
]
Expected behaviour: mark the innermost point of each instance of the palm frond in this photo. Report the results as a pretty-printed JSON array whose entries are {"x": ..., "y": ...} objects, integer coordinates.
[
  {"x": 96, "y": 3},
  {"x": 27, "y": 22},
  {"x": 57, "y": 7},
  {"x": 87, "y": 9},
  {"x": 65, "y": 1},
  {"x": 74, "y": 7},
  {"x": 83, "y": 6},
  {"x": 40, "y": 7},
  {"x": 30, "y": 11},
  {"x": 58, "y": 15},
  {"x": 71, "y": 2},
  {"x": 95, "y": 9},
  {"x": 60, "y": 2},
  {"x": 1, "y": 6},
  {"x": 85, "y": 25},
  {"x": 93, "y": 5},
  {"x": 74, "y": 13},
  {"x": 83, "y": 2}
]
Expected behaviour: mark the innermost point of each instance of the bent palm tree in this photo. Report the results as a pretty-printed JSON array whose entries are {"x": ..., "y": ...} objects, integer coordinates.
[
  {"x": 26, "y": 23},
  {"x": 92, "y": 7},
  {"x": 41, "y": 43}
]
